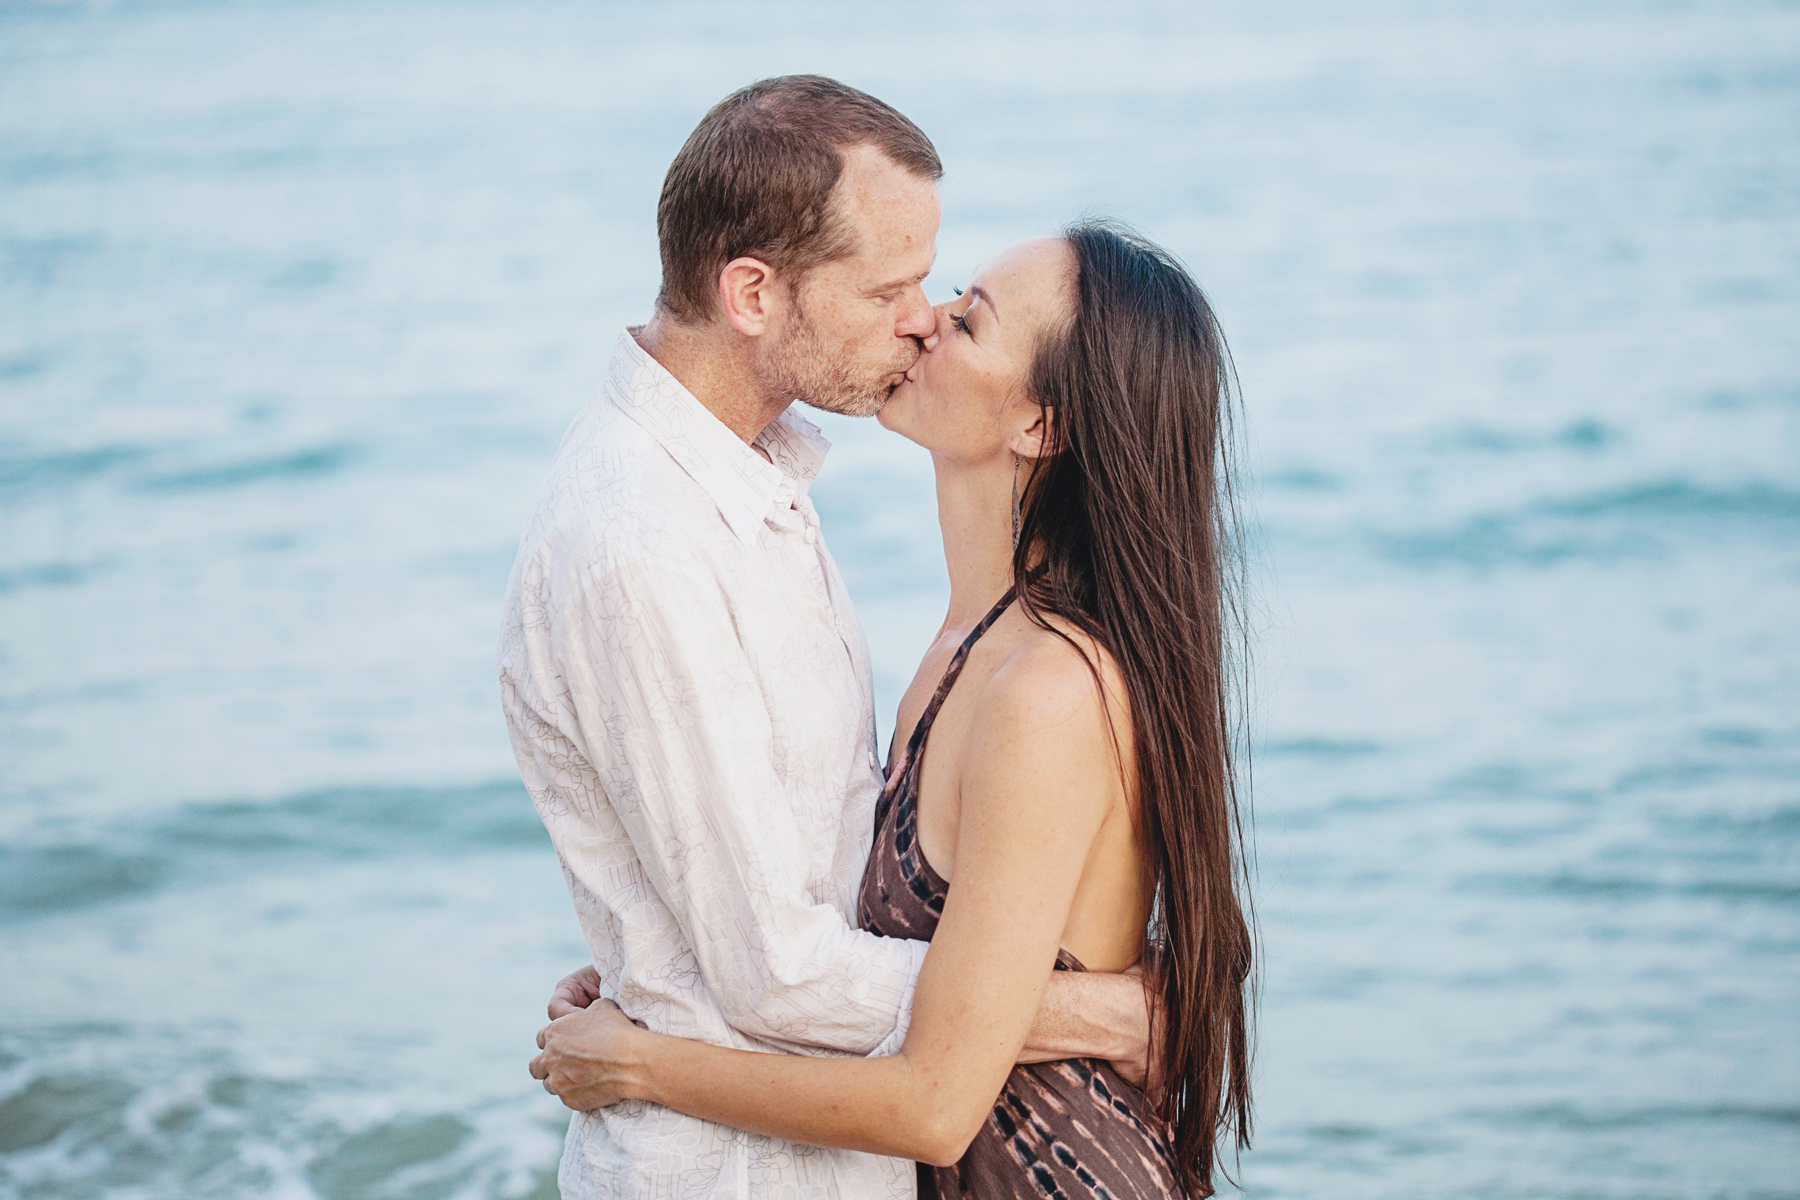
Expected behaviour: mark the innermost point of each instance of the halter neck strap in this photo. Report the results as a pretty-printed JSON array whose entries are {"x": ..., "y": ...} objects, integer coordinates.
[{"x": 923, "y": 729}]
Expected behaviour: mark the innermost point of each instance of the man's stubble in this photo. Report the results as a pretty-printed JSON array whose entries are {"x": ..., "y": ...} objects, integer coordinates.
[{"x": 826, "y": 377}]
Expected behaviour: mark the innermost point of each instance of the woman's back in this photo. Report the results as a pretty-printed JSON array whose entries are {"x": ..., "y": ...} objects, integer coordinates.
[{"x": 1107, "y": 919}]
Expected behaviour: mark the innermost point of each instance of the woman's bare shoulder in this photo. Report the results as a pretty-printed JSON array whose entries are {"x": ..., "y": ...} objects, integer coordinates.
[{"x": 1046, "y": 689}]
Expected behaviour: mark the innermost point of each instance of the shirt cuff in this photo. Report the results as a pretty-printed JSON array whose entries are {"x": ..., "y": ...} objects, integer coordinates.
[{"x": 903, "y": 1018}]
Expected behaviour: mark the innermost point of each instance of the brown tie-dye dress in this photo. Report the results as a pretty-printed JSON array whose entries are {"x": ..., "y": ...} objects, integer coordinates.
[{"x": 1069, "y": 1129}]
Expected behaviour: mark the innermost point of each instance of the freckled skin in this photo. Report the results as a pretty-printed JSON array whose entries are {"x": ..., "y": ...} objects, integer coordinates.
[{"x": 858, "y": 321}]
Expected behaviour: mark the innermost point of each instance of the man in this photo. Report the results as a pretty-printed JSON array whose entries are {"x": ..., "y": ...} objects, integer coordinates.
[{"x": 684, "y": 679}]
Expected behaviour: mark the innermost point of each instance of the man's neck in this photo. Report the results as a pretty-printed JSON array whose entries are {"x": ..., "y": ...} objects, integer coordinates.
[{"x": 712, "y": 362}]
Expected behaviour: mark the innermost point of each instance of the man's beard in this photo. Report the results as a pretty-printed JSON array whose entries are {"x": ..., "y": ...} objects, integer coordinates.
[{"x": 826, "y": 377}]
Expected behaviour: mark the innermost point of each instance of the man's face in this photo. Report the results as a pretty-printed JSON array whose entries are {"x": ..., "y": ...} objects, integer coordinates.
[{"x": 852, "y": 328}]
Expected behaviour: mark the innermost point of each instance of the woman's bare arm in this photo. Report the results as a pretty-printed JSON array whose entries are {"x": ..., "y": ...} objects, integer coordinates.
[
  {"x": 1086, "y": 1014},
  {"x": 1039, "y": 780}
]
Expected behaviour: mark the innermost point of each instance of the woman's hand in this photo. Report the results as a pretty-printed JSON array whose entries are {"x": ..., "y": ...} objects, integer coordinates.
[
  {"x": 575, "y": 992},
  {"x": 589, "y": 1057}
]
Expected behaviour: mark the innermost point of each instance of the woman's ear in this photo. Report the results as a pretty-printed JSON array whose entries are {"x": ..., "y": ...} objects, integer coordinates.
[
  {"x": 1037, "y": 439},
  {"x": 747, "y": 293}
]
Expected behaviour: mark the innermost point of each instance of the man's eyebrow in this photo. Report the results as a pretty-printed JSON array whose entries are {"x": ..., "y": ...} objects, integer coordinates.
[
  {"x": 896, "y": 284},
  {"x": 979, "y": 294}
]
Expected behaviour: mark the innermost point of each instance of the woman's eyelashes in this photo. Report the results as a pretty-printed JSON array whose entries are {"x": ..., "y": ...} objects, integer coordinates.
[{"x": 956, "y": 319}]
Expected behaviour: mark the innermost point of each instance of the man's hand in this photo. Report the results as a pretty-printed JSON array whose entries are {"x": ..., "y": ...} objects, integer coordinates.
[
  {"x": 575, "y": 993},
  {"x": 1097, "y": 1015},
  {"x": 1142, "y": 1064},
  {"x": 587, "y": 1056}
]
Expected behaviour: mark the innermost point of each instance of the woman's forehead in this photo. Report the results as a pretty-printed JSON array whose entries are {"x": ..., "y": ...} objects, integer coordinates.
[{"x": 1030, "y": 278}]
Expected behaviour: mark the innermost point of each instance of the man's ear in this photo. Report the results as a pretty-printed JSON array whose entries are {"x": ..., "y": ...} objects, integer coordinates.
[
  {"x": 1037, "y": 439},
  {"x": 748, "y": 294}
]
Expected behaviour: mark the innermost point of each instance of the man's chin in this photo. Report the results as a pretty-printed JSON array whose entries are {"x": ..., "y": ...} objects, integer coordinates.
[
  {"x": 859, "y": 406},
  {"x": 865, "y": 403}
]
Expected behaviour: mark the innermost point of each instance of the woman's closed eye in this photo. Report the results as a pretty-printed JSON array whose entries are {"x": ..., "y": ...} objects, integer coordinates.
[{"x": 957, "y": 320}]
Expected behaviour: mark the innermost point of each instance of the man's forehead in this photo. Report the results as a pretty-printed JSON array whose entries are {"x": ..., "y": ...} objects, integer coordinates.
[
  {"x": 895, "y": 252},
  {"x": 874, "y": 183},
  {"x": 894, "y": 215}
]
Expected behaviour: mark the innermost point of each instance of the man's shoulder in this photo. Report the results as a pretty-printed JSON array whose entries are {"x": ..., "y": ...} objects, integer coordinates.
[
  {"x": 614, "y": 493},
  {"x": 616, "y": 516},
  {"x": 606, "y": 461}
]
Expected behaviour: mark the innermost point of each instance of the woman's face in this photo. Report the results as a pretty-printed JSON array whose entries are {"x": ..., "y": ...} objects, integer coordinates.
[{"x": 967, "y": 398}]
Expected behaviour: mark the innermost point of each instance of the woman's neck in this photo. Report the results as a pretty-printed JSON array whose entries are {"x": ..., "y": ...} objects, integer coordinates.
[{"x": 975, "y": 515}]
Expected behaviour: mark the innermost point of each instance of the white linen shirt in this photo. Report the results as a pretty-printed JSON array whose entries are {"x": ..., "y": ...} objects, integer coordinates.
[{"x": 688, "y": 695}]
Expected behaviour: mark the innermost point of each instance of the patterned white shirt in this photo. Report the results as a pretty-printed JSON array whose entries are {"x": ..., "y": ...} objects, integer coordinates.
[{"x": 689, "y": 698}]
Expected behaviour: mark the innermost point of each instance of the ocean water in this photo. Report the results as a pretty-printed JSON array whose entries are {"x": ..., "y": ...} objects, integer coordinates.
[{"x": 296, "y": 300}]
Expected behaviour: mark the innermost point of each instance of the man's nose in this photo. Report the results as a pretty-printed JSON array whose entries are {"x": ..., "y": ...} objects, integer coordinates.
[
  {"x": 919, "y": 320},
  {"x": 930, "y": 340}
]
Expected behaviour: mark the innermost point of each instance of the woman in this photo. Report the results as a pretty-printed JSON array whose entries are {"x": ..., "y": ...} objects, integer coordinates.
[{"x": 1067, "y": 798}]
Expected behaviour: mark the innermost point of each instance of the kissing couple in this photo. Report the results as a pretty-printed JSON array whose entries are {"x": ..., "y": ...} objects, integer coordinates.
[{"x": 1017, "y": 961}]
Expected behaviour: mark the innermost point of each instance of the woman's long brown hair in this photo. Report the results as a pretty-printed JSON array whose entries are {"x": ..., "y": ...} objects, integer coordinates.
[{"x": 1130, "y": 531}]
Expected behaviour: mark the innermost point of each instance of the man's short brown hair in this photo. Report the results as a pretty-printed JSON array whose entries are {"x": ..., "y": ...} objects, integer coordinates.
[{"x": 756, "y": 176}]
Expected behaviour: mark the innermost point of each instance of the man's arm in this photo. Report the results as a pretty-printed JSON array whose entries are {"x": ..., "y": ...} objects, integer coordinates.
[
  {"x": 1089, "y": 1015},
  {"x": 646, "y": 675}
]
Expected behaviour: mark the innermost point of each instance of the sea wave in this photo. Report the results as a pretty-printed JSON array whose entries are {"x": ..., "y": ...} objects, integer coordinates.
[
  {"x": 153, "y": 468},
  {"x": 1639, "y": 520},
  {"x": 310, "y": 462},
  {"x": 58, "y": 470},
  {"x": 95, "y": 1110},
  {"x": 201, "y": 843},
  {"x": 50, "y": 575}
]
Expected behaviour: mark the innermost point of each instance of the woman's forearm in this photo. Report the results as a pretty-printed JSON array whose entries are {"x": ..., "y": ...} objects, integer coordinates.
[
  {"x": 925, "y": 1103},
  {"x": 899, "y": 1105},
  {"x": 878, "y": 1105}
]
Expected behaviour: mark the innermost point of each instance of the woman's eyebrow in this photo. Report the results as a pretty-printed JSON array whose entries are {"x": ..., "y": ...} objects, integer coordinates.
[{"x": 976, "y": 291}]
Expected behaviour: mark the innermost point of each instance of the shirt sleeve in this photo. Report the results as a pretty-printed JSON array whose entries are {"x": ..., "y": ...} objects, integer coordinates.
[{"x": 662, "y": 700}]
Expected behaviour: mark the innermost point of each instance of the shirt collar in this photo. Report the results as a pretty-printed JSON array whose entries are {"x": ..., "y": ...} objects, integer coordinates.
[{"x": 747, "y": 488}]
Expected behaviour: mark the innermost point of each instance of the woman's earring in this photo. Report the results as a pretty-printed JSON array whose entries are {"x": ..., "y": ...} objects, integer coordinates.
[{"x": 1015, "y": 503}]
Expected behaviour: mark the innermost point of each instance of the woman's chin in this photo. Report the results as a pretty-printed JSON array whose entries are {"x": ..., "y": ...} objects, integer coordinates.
[
  {"x": 906, "y": 413},
  {"x": 894, "y": 407}
]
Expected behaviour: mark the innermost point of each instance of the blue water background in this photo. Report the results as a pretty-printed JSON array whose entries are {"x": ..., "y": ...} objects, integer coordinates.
[{"x": 296, "y": 299}]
